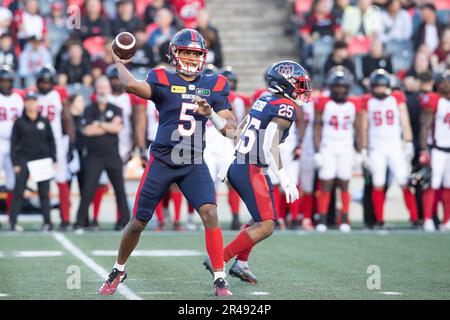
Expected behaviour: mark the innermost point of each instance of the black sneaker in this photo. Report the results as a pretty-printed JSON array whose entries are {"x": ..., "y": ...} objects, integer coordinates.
[
  {"x": 242, "y": 273},
  {"x": 221, "y": 288},
  {"x": 94, "y": 226},
  {"x": 46, "y": 227},
  {"x": 415, "y": 225},
  {"x": 64, "y": 227},
  {"x": 295, "y": 225},
  {"x": 235, "y": 223},
  {"x": 379, "y": 225}
]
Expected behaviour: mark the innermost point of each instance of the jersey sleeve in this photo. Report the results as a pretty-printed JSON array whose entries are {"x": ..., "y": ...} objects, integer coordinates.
[
  {"x": 399, "y": 96},
  {"x": 221, "y": 92},
  {"x": 365, "y": 101},
  {"x": 63, "y": 94},
  {"x": 429, "y": 101},
  {"x": 356, "y": 102},
  {"x": 157, "y": 78},
  {"x": 320, "y": 103},
  {"x": 135, "y": 100},
  {"x": 284, "y": 109}
]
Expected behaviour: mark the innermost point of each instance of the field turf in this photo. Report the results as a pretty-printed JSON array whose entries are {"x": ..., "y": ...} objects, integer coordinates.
[{"x": 289, "y": 265}]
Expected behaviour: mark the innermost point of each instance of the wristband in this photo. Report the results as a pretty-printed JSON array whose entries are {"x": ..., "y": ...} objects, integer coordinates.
[{"x": 218, "y": 121}]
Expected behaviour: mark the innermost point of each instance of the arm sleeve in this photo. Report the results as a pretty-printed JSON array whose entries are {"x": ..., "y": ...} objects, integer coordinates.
[
  {"x": 429, "y": 101},
  {"x": 88, "y": 117},
  {"x": 154, "y": 82},
  {"x": 14, "y": 141}
]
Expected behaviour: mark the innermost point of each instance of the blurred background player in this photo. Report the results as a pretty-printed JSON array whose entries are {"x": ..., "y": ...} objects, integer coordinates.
[
  {"x": 336, "y": 119},
  {"x": 53, "y": 106},
  {"x": 435, "y": 135},
  {"x": 11, "y": 107},
  {"x": 219, "y": 159},
  {"x": 307, "y": 171},
  {"x": 102, "y": 123},
  {"x": 32, "y": 139},
  {"x": 386, "y": 120},
  {"x": 258, "y": 148}
]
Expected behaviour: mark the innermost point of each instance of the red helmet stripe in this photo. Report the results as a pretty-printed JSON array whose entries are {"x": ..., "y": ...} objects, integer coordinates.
[
  {"x": 220, "y": 84},
  {"x": 194, "y": 38},
  {"x": 162, "y": 76}
]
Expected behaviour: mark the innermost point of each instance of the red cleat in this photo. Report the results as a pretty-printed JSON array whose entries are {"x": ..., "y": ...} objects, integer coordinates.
[
  {"x": 114, "y": 279},
  {"x": 221, "y": 288}
]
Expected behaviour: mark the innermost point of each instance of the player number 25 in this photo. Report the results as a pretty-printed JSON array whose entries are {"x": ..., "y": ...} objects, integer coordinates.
[
  {"x": 248, "y": 135},
  {"x": 286, "y": 111},
  {"x": 187, "y": 117}
]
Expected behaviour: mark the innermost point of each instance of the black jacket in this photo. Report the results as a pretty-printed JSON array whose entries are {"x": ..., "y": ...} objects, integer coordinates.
[
  {"x": 419, "y": 36},
  {"x": 32, "y": 140}
]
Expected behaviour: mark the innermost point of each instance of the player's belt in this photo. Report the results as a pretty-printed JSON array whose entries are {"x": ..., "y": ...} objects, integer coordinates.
[{"x": 441, "y": 148}]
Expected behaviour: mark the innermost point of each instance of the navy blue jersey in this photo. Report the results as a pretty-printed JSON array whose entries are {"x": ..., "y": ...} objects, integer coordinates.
[
  {"x": 249, "y": 149},
  {"x": 180, "y": 137}
]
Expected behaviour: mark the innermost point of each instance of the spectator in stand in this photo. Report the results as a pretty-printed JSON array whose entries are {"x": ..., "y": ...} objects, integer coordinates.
[
  {"x": 102, "y": 63},
  {"x": 163, "y": 33},
  {"x": 443, "y": 50},
  {"x": 6, "y": 18},
  {"x": 93, "y": 23},
  {"x": 429, "y": 30},
  {"x": 152, "y": 9},
  {"x": 361, "y": 19},
  {"x": 58, "y": 32},
  {"x": 34, "y": 56},
  {"x": 75, "y": 70},
  {"x": 187, "y": 11},
  {"x": 125, "y": 20},
  {"x": 318, "y": 23},
  {"x": 337, "y": 11},
  {"x": 211, "y": 36},
  {"x": 7, "y": 55},
  {"x": 340, "y": 56},
  {"x": 375, "y": 60},
  {"x": 144, "y": 53},
  {"x": 29, "y": 23},
  {"x": 421, "y": 65},
  {"x": 396, "y": 23}
]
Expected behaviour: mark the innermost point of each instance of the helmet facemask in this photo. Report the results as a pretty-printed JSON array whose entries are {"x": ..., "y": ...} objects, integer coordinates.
[
  {"x": 182, "y": 64},
  {"x": 302, "y": 89}
]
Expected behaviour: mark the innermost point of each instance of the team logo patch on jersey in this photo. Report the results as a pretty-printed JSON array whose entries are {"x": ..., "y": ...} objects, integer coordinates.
[
  {"x": 178, "y": 89},
  {"x": 188, "y": 96},
  {"x": 203, "y": 92},
  {"x": 259, "y": 105},
  {"x": 191, "y": 87},
  {"x": 109, "y": 114}
]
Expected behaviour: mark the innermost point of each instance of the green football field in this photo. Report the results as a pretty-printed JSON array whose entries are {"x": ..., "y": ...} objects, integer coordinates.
[{"x": 289, "y": 265}]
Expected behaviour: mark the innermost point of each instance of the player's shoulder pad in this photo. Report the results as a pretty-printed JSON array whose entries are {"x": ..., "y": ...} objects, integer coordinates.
[
  {"x": 399, "y": 96},
  {"x": 356, "y": 102},
  {"x": 221, "y": 84},
  {"x": 320, "y": 103},
  {"x": 62, "y": 91},
  {"x": 429, "y": 101},
  {"x": 278, "y": 102},
  {"x": 365, "y": 101},
  {"x": 158, "y": 76}
]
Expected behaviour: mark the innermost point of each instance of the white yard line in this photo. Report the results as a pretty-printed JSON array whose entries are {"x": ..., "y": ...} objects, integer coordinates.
[
  {"x": 37, "y": 253},
  {"x": 151, "y": 253},
  {"x": 80, "y": 255}
]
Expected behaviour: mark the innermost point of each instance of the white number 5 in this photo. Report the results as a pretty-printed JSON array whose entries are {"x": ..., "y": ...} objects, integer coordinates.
[{"x": 187, "y": 117}]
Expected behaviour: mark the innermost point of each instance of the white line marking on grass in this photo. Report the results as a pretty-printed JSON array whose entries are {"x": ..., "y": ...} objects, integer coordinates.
[
  {"x": 3, "y": 295},
  {"x": 391, "y": 293},
  {"x": 37, "y": 254},
  {"x": 156, "y": 293},
  {"x": 151, "y": 253},
  {"x": 66, "y": 243},
  {"x": 260, "y": 293},
  {"x": 1, "y": 254}
]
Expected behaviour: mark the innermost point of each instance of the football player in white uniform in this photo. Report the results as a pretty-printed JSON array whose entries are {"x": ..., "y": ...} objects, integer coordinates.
[
  {"x": 52, "y": 102},
  {"x": 436, "y": 124},
  {"x": 335, "y": 121},
  {"x": 11, "y": 107},
  {"x": 386, "y": 121},
  {"x": 307, "y": 168}
]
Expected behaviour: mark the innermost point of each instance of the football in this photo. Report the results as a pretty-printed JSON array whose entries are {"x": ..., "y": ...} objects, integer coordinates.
[{"x": 124, "y": 45}]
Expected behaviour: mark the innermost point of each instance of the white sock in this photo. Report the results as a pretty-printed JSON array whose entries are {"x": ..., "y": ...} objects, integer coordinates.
[
  {"x": 219, "y": 274},
  {"x": 120, "y": 267},
  {"x": 242, "y": 264}
]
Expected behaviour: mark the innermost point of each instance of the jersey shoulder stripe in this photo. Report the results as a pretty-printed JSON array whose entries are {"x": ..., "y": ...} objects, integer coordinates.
[
  {"x": 220, "y": 84},
  {"x": 282, "y": 101},
  {"x": 162, "y": 76}
]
